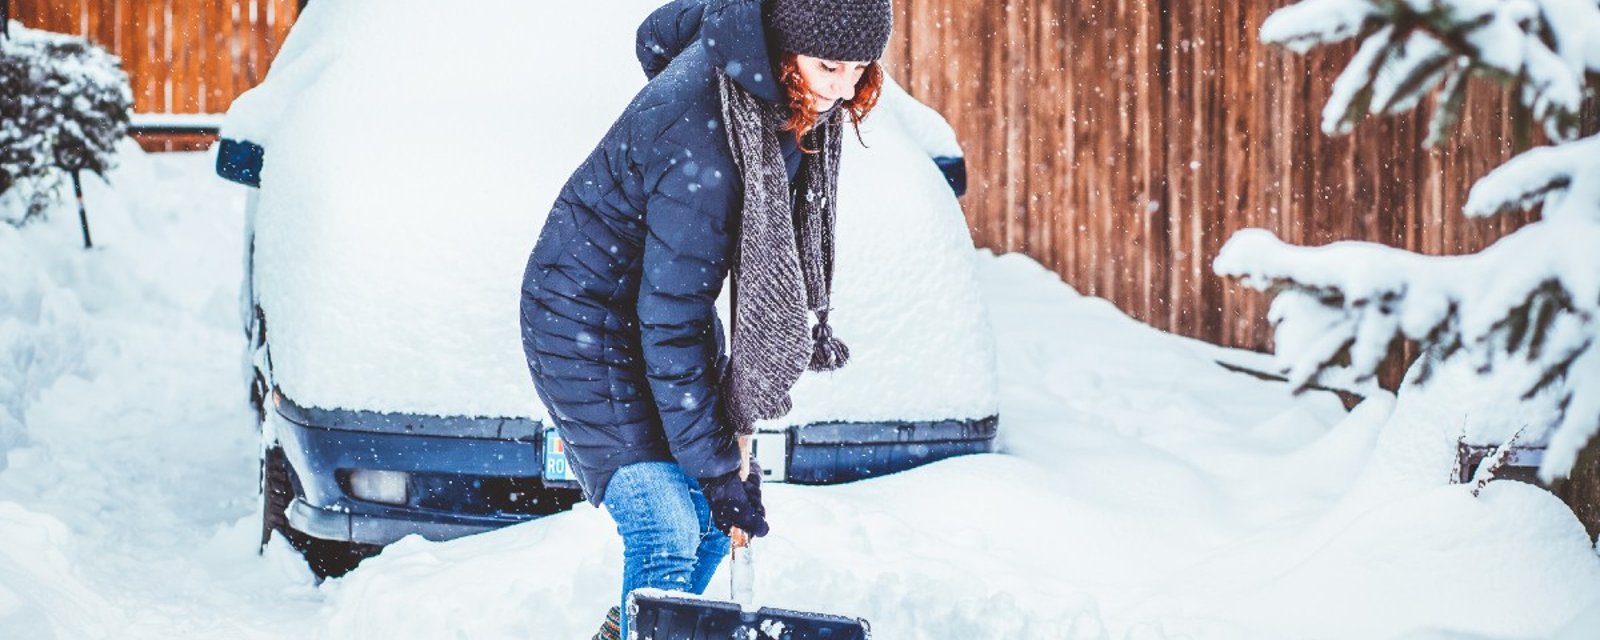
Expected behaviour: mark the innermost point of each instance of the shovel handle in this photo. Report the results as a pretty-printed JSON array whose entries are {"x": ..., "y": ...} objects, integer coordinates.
[
  {"x": 741, "y": 539},
  {"x": 742, "y": 572},
  {"x": 744, "y": 457}
]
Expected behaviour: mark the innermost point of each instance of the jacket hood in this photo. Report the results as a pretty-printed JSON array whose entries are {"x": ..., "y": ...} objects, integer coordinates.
[
  {"x": 730, "y": 31},
  {"x": 735, "y": 39}
]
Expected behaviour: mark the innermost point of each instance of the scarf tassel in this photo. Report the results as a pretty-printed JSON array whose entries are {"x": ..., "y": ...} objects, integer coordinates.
[{"x": 827, "y": 352}]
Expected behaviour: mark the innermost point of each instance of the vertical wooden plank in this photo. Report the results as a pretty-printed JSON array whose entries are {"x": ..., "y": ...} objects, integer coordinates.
[
  {"x": 1013, "y": 118},
  {"x": 127, "y": 29},
  {"x": 105, "y": 29},
  {"x": 1122, "y": 283},
  {"x": 168, "y": 69},
  {"x": 23, "y": 11},
  {"x": 1171, "y": 162},
  {"x": 283, "y": 18},
  {"x": 33, "y": 13},
  {"x": 191, "y": 41},
  {"x": 172, "y": 52},
  {"x": 1036, "y": 154},
  {"x": 983, "y": 93},
  {"x": 897, "y": 57},
  {"x": 240, "y": 48},
  {"x": 1098, "y": 123},
  {"x": 122, "y": 27},
  {"x": 48, "y": 15},
  {"x": 155, "y": 56},
  {"x": 194, "y": 43},
  {"x": 1124, "y": 199},
  {"x": 257, "y": 41},
  {"x": 1090, "y": 116},
  {"x": 68, "y": 17},
  {"x": 1235, "y": 197},
  {"x": 994, "y": 107},
  {"x": 243, "y": 43},
  {"x": 143, "y": 48},
  {"x": 133, "y": 58},
  {"x": 1213, "y": 167},
  {"x": 198, "y": 44},
  {"x": 228, "y": 53},
  {"x": 1152, "y": 155},
  {"x": 213, "y": 69},
  {"x": 1069, "y": 214},
  {"x": 179, "y": 39},
  {"x": 1195, "y": 18},
  {"x": 97, "y": 25},
  {"x": 124, "y": 24}
]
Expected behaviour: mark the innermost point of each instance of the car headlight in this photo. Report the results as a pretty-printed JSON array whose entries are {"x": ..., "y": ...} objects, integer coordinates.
[{"x": 388, "y": 487}]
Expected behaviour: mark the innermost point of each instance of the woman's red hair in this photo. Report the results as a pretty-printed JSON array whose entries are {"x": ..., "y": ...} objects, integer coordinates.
[{"x": 802, "y": 117}]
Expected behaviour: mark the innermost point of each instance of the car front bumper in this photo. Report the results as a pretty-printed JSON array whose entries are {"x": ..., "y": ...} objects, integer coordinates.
[
  {"x": 473, "y": 475},
  {"x": 464, "y": 476}
]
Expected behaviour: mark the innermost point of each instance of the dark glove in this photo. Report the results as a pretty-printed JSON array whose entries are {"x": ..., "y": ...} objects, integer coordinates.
[
  {"x": 752, "y": 486},
  {"x": 736, "y": 503}
]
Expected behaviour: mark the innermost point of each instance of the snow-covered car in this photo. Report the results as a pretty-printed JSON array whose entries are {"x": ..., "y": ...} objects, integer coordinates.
[{"x": 405, "y": 158}]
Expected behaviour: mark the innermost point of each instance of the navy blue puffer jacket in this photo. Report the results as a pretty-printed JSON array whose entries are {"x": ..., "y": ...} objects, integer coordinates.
[{"x": 618, "y": 317}]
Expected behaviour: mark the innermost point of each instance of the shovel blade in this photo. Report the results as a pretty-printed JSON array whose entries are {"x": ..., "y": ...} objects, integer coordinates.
[{"x": 665, "y": 617}]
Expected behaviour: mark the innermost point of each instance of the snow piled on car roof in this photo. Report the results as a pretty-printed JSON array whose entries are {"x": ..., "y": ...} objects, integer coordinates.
[{"x": 391, "y": 240}]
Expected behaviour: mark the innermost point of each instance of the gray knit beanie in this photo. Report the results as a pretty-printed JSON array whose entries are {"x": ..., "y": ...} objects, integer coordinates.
[{"x": 844, "y": 30}]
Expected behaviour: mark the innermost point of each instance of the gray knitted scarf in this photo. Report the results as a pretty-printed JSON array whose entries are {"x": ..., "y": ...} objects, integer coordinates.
[{"x": 784, "y": 265}]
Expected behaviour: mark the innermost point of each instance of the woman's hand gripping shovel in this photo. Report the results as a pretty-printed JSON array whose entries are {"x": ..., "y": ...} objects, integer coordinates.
[{"x": 657, "y": 615}]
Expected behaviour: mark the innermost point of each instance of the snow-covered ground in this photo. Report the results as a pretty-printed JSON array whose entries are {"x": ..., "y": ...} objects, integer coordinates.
[{"x": 1142, "y": 491}]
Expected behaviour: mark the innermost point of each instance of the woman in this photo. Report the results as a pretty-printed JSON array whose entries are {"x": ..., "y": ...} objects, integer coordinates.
[{"x": 727, "y": 161}]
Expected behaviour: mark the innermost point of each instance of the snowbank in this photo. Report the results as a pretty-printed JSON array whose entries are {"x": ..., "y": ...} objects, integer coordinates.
[
  {"x": 1148, "y": 494},
  {"x": 127, "y": 453}
]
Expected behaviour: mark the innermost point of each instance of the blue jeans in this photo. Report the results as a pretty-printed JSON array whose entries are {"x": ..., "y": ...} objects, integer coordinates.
[{"x": 668, "y": 538}]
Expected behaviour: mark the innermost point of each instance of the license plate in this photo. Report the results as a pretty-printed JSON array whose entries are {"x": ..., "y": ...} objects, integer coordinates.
[
  {"x": 772, "y": 451},
  {"x": 555, "y": 458}
]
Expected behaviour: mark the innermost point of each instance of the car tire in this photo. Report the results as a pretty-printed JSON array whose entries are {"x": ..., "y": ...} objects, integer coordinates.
[
  {"x": 276, "y": 494},
  {"x": 326, "y": 558}
]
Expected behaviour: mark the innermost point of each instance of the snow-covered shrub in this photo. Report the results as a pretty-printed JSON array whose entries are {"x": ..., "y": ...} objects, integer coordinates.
[
  {"x": 63, "y": 106},
  {"x": 1526, "y": 309}
]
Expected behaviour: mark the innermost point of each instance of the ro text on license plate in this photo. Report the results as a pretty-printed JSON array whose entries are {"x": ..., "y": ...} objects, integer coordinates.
[{"x": 555, "y": 457}]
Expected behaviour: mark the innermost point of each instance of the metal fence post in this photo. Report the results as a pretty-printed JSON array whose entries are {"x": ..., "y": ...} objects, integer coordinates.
[
  {"x": 5, "y": 18},
  {"x": 83, "y": 213}
]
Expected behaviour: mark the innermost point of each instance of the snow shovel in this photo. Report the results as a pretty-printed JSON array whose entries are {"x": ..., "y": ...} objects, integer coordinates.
[{"x": 659, "y": 616}]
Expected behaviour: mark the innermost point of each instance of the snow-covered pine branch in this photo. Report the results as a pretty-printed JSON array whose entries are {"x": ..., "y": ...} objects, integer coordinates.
[
  {"x": 1340, "y": 306},
  {"x": 1565, "y": 179},
  {"x": 1526, "y": 310},
  {"x": 1305, "y": 25},
  {"x": 1410, "y": 48},
  {"x": 1491, "y": 464},
  {"x": 65, "y": 107}
]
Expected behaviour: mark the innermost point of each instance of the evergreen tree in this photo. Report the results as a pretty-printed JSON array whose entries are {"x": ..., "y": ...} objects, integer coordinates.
[
  {"x": 1526, "y": 309},
  {"x": 64, "y": 105}
]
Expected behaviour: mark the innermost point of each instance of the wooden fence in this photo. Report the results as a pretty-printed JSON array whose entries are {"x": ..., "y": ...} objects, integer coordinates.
[
  {"x": 182, "y": 56},
  {"x": 1121, "y": 142}
]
